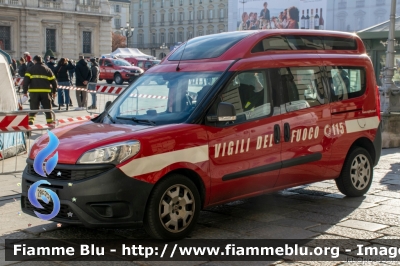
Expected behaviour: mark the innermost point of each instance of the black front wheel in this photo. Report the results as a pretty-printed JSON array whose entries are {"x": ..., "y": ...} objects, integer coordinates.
[
  {"x": 357, "y": 173},
  {"x": 173, "y": 208},
  {"x": 109, "y": 81},
  {"x": 118, "y": 79}
]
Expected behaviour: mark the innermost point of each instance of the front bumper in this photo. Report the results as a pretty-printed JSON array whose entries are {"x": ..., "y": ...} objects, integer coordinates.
[{"x": 107, "y": 199}]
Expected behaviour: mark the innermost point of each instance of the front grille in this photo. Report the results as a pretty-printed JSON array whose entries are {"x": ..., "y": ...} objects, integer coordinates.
[
  {"x": 134, "y": 71},
  {"x": 63, "y": 174},
  {"x": 48, "y": 208}
]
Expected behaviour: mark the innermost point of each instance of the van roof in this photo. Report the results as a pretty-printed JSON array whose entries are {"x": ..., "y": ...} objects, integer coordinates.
[{"x": 244, "y": 44}]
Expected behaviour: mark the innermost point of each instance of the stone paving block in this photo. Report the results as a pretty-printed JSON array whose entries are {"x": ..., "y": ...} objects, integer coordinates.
[
  {"x": 369, "y": 198},
  {"x": 237, "y": 225},
  {"x": 289, "y": 222},
  {"x": 281, "y": 232},
  {"x": 388, "y": 241},
  {"x": 368, "y": 226},
  {"x": 353, "y": 204},
  {"x": 314, "y": 217},
  {"x": 389, "y": 194},
  {"x": 322, "y": 185},
  {"x": 369, "y": 215},
  {"x": 73, "y": 232},
  {"x": 335, "y": 195},
  {"x": 263, "y": 216},
  {"x": 386, "y": 208},
  {"x": 393, "y": 231},
  {"x": 15, "y": 235},
  {"x": 209, "y": 216},
  {"x": 204, "y": 232},
  {"x": 346, "y": 232},
  {"x": 395, "y": 181},
  {"x": 392, "y": 202}
]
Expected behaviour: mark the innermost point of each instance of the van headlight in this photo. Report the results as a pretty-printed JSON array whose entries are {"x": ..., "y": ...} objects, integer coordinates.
[{"x": 114, "y": 154}]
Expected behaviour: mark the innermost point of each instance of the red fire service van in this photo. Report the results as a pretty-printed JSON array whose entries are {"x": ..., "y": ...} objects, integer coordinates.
[
  {"x": 241, "y": 114},
  {"x": 118, "y": 70}
]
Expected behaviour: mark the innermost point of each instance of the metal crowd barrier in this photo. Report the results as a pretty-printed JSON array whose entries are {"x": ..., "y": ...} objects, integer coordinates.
[{"x": 16, "y": 136}]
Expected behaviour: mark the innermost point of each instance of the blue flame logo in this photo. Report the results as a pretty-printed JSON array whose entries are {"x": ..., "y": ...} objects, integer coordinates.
[{"x": 47, "y": 169}]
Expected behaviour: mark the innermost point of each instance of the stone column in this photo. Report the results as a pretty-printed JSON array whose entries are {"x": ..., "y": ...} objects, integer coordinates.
[
  {"x": 105, "y": 35},
  {"x": 69, "y": 38}
]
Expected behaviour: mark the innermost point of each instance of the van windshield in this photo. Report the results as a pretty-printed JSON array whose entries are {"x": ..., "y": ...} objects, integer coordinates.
[
  {"x": 121, "y": 62},
  {"x": 161, "y": 98}
]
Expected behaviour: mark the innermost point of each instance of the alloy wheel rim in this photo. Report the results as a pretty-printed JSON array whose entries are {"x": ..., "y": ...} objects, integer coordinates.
[
  {"x": 360, "y": 172},
  {"x": 176, "y": 208},
  {"x": 118, "y": 79}
]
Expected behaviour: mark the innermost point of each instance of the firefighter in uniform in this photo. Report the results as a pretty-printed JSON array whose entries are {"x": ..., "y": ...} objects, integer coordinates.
[{"x": 41, "y": 82}]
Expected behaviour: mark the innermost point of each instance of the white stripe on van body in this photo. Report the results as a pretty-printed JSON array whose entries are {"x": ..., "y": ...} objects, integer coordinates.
[
  {"x": 362, "y": 124},
  {"x": 157, "y": 162}
]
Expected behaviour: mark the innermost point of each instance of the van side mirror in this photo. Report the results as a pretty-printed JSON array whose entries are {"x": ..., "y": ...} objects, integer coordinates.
[
  {"x": 107, "y": 105},
  {"x": 225, "y": 113}
]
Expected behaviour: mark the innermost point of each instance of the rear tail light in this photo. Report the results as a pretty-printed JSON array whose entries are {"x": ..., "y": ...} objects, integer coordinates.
[{"x": 378, "y": 102}]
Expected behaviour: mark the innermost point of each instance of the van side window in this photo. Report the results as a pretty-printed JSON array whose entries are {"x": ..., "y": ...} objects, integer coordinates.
[
  {"x": 250, "y": 94},
  {"x": 302, "y": 87},
  {"x": 346, "y": 82},
  {"x": 101, "y": 62},
  {"x": 140, "y": 64}
]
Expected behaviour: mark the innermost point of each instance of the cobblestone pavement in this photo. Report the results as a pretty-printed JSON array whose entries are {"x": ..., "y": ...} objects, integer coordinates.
[{"x": 314, "y": 211}]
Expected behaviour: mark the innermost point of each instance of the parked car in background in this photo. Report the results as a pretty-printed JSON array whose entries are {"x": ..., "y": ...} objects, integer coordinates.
[
  {"x": 118, "y": 70},
  {"x": 143, "y": 63}
]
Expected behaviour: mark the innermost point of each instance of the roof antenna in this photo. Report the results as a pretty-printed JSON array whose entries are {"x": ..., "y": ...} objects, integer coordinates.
[{"x": 177, "y": 67}]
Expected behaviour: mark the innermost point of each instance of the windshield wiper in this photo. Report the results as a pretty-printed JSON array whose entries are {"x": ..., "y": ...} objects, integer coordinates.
[{"x": 134, "y": 119}]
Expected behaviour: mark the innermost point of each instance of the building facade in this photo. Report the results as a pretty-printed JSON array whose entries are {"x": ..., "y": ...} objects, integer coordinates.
[
  {"x": 120, "y": 11},
  {"x": 67, "y": 27},
  {"x": 162, "y": 24},
  {"x": 355, "y": 15}
]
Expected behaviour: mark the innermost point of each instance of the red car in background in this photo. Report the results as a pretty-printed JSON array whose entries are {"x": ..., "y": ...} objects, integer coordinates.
[
  {"x": 118, "y": 70},
  {"x": 143, "y": 63}
]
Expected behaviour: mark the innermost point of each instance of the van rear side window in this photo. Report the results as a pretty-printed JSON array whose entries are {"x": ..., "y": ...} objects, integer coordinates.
[
  {"x": 305, "y": 42},
  {"x": 346, "y": 82}
]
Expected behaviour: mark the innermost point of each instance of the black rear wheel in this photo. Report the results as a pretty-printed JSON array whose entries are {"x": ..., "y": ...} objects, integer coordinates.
[
  {"x": 357, "y": 173},
  {"x": 173, "y": 208},
  {"x": 109, "y": 81}
]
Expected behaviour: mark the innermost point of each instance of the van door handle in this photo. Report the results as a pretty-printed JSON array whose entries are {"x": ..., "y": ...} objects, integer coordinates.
[
  {"x": 277, "y": 133},
  {"x": 286, "y": 132}
]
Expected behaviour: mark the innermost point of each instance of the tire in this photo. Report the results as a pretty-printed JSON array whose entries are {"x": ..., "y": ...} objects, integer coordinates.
[
  {"x": 185, "y": 205},
  {"x": 118, "y": 79},
  {"x": 109, "y": 81},
  {"x": 357, "y": 173}
]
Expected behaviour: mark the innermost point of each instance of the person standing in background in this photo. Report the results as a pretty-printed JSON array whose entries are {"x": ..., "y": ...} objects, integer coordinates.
[
  {"x": 39, "y": 81},
  {"x": 61, "y": 73},
  {"x": 82, "y": 76},
  {"x": 28, "y": 59},
  {"x": 22, "y": 67},
  {"x": 93, "y": 81},
  {"x": 264, "y": 14}
]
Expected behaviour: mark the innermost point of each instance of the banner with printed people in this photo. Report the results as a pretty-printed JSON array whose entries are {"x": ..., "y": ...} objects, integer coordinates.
[{"x": 278, "y": 14}]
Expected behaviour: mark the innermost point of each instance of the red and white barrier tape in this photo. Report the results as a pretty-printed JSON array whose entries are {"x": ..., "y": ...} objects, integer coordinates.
[
  {"x": 13, "y": 120},
  {"x": 76, "y": 119},
  {"x": 27, "y": 128},
  {"x": 45, "y": 126}
]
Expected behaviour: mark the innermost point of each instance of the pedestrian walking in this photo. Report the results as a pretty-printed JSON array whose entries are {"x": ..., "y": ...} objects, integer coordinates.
[
  {"x": 28, "y": 59},
  {"x": 82, "y": 77},
  {"x": 39, "y": 81},
  {"x": 61, "y": 73},
  {"x": 93, "y": 81},
  {"x": 22, "y": 67}
]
